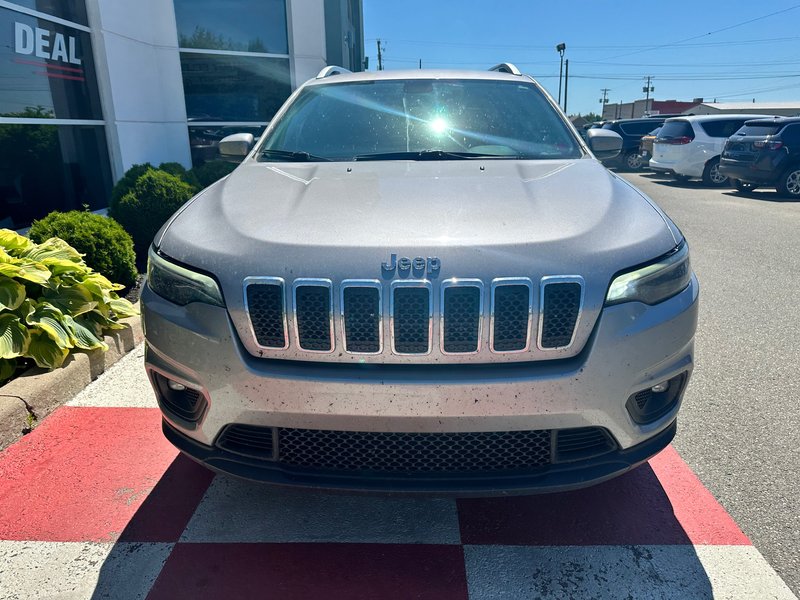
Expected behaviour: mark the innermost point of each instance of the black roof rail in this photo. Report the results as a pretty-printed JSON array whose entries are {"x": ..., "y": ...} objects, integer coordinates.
[
  {"x": 506, "y": 68},
  {"x": 332, "y": 70}
]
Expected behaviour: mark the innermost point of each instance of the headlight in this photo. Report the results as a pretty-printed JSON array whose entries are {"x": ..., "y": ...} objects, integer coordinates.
[
  {"x": 180, "y": 285},
  {"x": 655, "y": 282}
]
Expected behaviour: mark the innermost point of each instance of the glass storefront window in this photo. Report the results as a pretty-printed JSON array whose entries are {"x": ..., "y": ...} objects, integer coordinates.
[
  {"x": 244, "y": 25},
  {"x": 234, "y": 88},
  {"x": 51, "y": 167},
  {"x": 71, "y": 10},
  {"x": 47, "y": 70}
]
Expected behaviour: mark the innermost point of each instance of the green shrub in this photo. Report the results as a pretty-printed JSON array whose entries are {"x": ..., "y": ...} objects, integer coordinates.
[
  {"x": 51, "y": 302},
  {"x": 173, "y": 168},
  {"x": 124, "y": 185},
  {"x": 207, "y": 173},
  {"x": 148, "y": 205},
  {"x": 106, "y": 246}
]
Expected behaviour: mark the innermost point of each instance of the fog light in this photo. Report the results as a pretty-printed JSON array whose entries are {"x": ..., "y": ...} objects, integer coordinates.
[
  {"x": 179, "y": 387},
  {"x": 654, "y": 402},
  {"x": 658, "y": 388}
]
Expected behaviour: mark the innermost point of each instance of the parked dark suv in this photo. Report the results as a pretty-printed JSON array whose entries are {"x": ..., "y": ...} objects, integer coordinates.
[
  {"x": 631, "y": 132},
  {"x": 764, "y": 152}
]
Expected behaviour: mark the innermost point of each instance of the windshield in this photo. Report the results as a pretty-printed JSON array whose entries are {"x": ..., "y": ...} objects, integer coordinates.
[{"x": 420, "y": 119}]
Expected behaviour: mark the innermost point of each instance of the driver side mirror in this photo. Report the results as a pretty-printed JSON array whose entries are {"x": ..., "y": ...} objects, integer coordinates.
[
  {"x": 604, "y": 143},
  {"x": 236, "y": 145}
]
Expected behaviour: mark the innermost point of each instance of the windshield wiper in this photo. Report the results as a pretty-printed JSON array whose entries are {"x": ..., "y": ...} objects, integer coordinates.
[
  {"x": 291, "y": 155},
  {"x": 430, "y": 155}
]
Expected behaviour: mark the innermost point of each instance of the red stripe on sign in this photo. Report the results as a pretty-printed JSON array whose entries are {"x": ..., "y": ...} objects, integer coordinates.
[
  {"x": 659, "y": 503},
  {"x": 60, "y": 76},
  {"x": 302, "y": 571},
  {"x": 85, "y": 473},
  {"x": 47, "y": 65}
]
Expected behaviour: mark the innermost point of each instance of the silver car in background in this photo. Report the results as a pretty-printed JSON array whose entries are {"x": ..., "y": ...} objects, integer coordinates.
[{"x": 421, "y": 281}]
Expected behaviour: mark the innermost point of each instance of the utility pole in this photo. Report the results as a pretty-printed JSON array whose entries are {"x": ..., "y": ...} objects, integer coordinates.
[
  {"x": 603, "y": 101},
  {"x": 647, "y": 89},
  {"x": 381, "y": 49},
  {"x": 561, "y": 48},
  {"x": 420, "y": 63},
  {"x": 566, "y": 83}
]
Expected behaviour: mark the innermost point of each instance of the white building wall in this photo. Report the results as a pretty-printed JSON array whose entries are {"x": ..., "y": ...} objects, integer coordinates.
[
  {"x": 139, "y": 77},
  {"x": 306, "y": 39}
]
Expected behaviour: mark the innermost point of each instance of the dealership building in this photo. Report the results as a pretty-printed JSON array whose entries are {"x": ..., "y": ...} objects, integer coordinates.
[{"x": 91, "y": 87}]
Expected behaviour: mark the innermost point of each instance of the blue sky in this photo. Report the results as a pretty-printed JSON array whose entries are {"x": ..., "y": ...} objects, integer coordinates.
[{"x": 729, "y": 50}]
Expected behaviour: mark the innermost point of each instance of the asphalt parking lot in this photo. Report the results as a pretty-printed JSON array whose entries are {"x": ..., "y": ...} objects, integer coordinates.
[
  {"x": 96, "y": 504},
  {"x": 739, "y": 428}
]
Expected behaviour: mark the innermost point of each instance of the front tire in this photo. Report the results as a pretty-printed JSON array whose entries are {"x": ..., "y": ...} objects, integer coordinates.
[
  {"x": 789, "y": 183},
  {"x": 634, "y": 161},
  {"x": 711, "y": 175}
]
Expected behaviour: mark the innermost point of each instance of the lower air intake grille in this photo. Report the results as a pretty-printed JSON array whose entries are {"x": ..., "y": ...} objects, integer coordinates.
[
  {"x": 575, "y": 444},
  {"x": 561, "y": 305},
  {"x": 265, "y": 304},
  {"x": 247, "y": 440},
  {"x": 461, "y": 319},
  {"x": 362, "y": 319},
  {"x": 412, "y": 317},
  {"x": 414, "y": 452},
  {"x": 313, "y": 314}
]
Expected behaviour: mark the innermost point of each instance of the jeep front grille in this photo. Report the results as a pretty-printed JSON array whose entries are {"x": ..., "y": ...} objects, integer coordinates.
[{"x": 313, "y": 316}]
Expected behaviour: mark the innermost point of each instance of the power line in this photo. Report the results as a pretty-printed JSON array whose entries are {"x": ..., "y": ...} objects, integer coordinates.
[{"x": 696, "y": 37}]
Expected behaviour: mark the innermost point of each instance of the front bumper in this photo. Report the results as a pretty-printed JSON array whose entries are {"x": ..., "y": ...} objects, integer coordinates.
[{"x": 632, "y": 348}]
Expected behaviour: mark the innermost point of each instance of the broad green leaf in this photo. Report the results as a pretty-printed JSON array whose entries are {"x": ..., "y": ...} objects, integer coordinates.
[
  {"x": 53, "y": 248},
  {"x": 12, "y": 293},
  {"x": 27, "y": 270},
  {"x": 14, "y": 243},
  {"x": 49, "y": 319},
  {"x": 14, "y": 336},
  {"x": 71, "y": 300},
  {"x": 99, "y": 322},
  {"x": 84, "y": 335},
  {"x": 59, "y": 266},
  {"x": 45, "y": 351},
  {"x": 123, "y": 308},
  {"x": 7, "y": 368}
]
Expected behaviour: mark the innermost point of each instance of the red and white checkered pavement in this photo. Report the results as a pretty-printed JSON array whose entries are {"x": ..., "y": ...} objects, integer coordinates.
[{"x": 96, "y": 504}]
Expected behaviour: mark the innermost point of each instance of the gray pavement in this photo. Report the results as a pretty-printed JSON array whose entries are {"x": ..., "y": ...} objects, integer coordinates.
[{"x": 739, "y": 428}]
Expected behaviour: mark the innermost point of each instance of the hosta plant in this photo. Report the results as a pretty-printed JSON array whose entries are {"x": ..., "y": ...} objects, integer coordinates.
[{"x": 51, "y": 302}]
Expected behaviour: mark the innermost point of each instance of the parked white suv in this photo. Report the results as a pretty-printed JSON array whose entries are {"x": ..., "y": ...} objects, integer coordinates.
[{"x": 689, "y": 147}]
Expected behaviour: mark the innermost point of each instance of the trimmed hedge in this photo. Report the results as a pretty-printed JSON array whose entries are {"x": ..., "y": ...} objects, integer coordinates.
[
  {"x": 149, "y": 204},
  {"x": 124, "y": 185},
  {"x": 106, "y": 246}
]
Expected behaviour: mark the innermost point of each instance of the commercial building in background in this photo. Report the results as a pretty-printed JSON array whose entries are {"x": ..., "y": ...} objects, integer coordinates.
[
  {"x": 784, "y": 109},
  {"x": 91, "y": 87},
  {"x": 643, "y": 108}
]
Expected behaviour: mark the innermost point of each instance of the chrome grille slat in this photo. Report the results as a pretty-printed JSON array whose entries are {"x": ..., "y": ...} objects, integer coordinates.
[{"x": 520, "y": 318}]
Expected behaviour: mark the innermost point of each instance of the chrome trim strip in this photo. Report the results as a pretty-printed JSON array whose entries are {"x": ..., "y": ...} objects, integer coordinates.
[
  {"x": 248, "y": 281},
  {"x": 545, "y": 281},
  {"x": 504, "y": 281},
  {"x": 313, "y": 282},
  {"x": 412, "y": 283},
  {"x": 456, "y": 282},
  {"x": 362, "y": 283}
]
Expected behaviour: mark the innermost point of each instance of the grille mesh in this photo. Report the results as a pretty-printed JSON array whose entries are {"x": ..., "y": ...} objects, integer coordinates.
[
  {"x": 414, "y": 452},
  {"x": 248, "y": 440},
  {"x": 411, "y": 320},
  {"x": 511, "y": 315},
  {"x": 313, "y": 313},
  {"x": 265, "y": 303},
  {"x": 461, "y": 318},
  {"x": 362, "y": 319},
  {"x": 574, "y": 444},
  {"x": 561, "y": 305}
]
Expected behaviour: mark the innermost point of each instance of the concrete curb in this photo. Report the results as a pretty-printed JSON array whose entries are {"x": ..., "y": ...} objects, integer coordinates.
[{"x": 42, "y": 390}]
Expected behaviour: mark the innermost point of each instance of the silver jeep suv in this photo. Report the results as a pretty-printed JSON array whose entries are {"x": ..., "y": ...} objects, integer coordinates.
[{"x": 420, "y": 281}]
